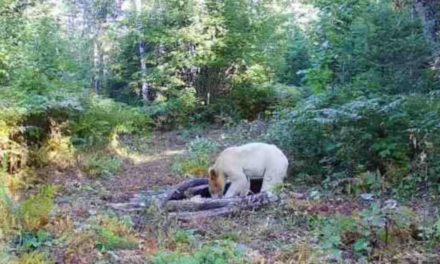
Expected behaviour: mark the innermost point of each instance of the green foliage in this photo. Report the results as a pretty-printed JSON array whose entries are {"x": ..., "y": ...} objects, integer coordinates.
[
  {"x": 102, "y": 119},
  {"x": 184, "y": 236},
  {"x": 34, "y": 212},
  {"x": 57, "y": 151},
  {"x": 204, "y": 47},
  {"x": 174, "y": 258},
  {"x": 197, "y": 158},
  {"x": 175, "y": 111},
  {"x": 114, "y": 234},
  {"x": 373, "y": 228},
  {"x": 247, "y": 101},
  {"x": 431, "y": 231},
  {"x": 33, "y": 258},
  {"x": 332, "y": 231},
  {"x": 363, "y": 110},
  {"x": 359, "y": 44},
  {"x": 252, "y": 101},
  {"x": 33, "y": 240},
  {"x": 100, "y": 165},
  {"x": 217, "y": 252},
  {"x": 393, "y": 135},
  {"x": 7, "y": 221}
]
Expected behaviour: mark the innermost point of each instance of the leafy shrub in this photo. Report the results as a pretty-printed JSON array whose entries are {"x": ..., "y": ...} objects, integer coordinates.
[
  {"x": 13, "y": 153},
  {"x": 33, "y": 240},
  {"x": 285, "y": 96},
  {"x": 353, "y": 42},
  {"x": 431, "y": 231},
  {"x": 103, "y": 118},
  {"x": 34, "y": 212},
  {"x": 372, "y": 228},
  {"x": 219, "y": 111},
  {"x": 252, "y": 101},
  {"x": 395, "y": 135},
  {"x": 253, "y": 93},
  {"x": 114, "y": 234},
  {"x": 247, "y": 102},
  {"x": 197, "y": 159},
  {"x": 8, "y": 220},
  {"x": 184, "y": 236},
  {"x": 176, "y": 111},
  {"x": 56, "y": 151},
  {"x": 99, "y": 165}
]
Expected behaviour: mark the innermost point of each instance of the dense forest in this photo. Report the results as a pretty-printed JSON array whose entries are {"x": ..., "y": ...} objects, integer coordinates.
[{"x": 101, "y": 99}]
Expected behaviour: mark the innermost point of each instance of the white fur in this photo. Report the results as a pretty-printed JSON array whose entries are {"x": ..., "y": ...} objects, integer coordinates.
[{"x": 251, "y": 161}]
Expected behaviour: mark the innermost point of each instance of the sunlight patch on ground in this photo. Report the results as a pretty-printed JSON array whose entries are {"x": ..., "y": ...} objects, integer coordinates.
[{"x": 138, "y": 158}]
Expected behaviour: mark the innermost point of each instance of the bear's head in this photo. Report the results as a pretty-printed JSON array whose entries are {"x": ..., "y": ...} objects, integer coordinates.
[{"x": 216, "y": 183}]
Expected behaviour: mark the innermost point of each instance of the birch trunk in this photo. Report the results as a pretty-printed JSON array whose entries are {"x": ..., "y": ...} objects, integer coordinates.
[
  {"x": 97, "y": 62},
  {"x": 145, "y": 87}
]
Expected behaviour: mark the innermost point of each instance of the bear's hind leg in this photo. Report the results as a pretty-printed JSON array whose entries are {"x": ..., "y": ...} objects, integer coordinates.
[{"x": 272, "y": 178}]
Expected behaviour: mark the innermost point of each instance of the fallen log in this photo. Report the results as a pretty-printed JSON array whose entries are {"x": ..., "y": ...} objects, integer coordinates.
[
  {"x": 202, "y": 190},
  {"x": 128, "y": 207},
  {"x": 179, "y": 192},
  {"x": 191, "y": 200},
  {"x": 188, "y": 216},
  {"x": 244, "y": 202}
]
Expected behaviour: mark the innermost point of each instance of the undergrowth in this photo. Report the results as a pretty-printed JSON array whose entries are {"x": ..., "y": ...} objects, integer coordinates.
[
  {"x": 219, "y": 252},
  {"x": 97, "y": 165},
  {"x": 376, "y": 233},
  {"x": 198, "y": 156},
  {"x": 115, "y": 234},
  {"x": 395, "y": 137}
]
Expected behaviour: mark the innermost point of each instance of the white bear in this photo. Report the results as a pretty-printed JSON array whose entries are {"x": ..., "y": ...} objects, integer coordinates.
[{"x": 238, "y": 165}]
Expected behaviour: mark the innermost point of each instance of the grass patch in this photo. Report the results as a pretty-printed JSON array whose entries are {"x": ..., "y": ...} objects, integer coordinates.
[
  {"x": 218, "y": 252},
  {"x": 115, "y": 234}
]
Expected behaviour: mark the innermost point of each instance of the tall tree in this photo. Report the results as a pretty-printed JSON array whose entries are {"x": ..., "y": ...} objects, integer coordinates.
[{"x": 137, "y": 4}]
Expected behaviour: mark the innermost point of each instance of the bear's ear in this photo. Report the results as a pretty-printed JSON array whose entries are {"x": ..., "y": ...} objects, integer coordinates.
[{"x": 212, "y": 174}]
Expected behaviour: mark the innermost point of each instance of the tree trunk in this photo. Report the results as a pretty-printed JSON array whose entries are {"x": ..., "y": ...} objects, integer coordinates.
[
  {"x": 145, "y": 89},
  {"x": 97, "y": 62},
  {"x": 429, "y": 13}
]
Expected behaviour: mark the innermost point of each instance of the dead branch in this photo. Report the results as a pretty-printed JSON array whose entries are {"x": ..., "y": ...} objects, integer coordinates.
[
  {"x": 245, "y": 202},
  {"x": 201, "y": 190},
  {"x": 189, "y": 201},
  {"x": 179, "y": 192},
  {"x": 187, "y": 216}
]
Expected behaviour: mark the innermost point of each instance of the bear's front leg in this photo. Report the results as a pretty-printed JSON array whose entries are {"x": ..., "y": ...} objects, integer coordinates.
[{"x": 240, "y": 186}]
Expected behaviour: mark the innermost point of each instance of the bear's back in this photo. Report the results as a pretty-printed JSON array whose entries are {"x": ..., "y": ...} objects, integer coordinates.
[{"x": 252, "y": 155}]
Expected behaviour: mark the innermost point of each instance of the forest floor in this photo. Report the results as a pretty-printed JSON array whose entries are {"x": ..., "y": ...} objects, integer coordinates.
[
  {"x": 81, "y": 205},
  {"x": 276, "y": 234}
]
